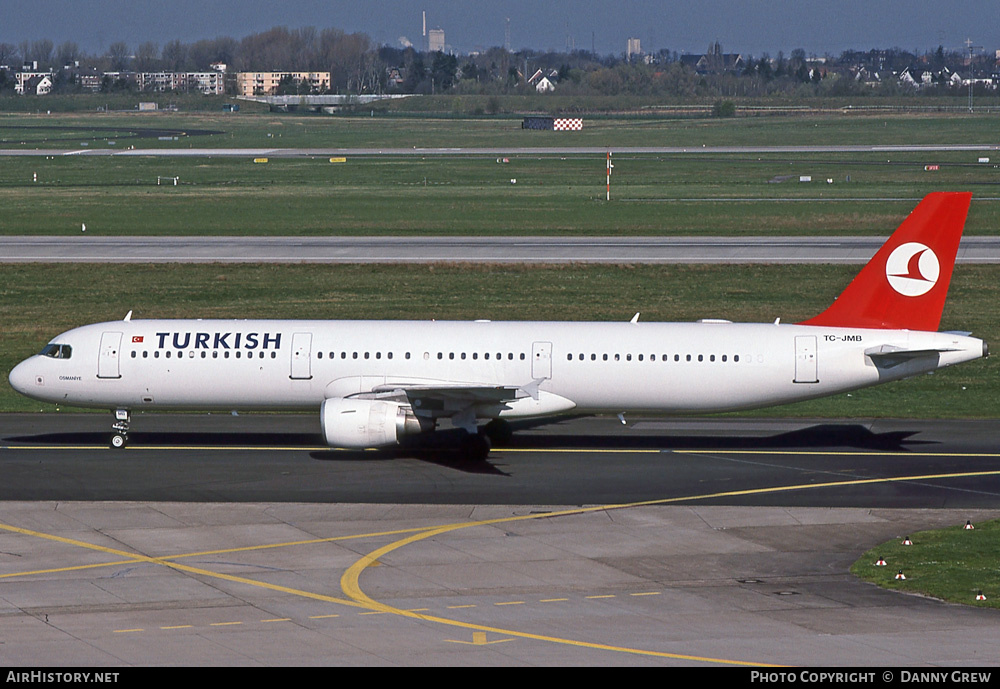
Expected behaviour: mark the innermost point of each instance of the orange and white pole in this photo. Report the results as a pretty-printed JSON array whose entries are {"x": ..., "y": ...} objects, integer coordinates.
[{"x": 609, "y": 175}]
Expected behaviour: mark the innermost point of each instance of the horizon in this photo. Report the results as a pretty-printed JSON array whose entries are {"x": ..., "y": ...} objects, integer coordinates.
[{"x": 782, "y": 26}]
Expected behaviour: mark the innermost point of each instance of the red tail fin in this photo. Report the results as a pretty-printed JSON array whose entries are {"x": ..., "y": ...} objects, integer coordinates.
[{"x": 905, "y": 284}]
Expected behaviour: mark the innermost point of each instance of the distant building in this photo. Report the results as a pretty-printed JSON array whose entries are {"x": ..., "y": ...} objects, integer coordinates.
[
  {"x": 543, "y": 83},
  {"x": 918, "y": 77},
  {"x": 545, "y": 86},
  {"x": 33, "y": 83},
  {"x": 633, "y": 48},
  {"x": 435, "y": 40},
  {"x": 266, "y": 83},
  {"x": 714, "y": 61},
  {"x": 209, "y": 83}
]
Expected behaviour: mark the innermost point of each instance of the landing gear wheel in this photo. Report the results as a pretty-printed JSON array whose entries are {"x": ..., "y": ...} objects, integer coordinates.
[{"x": 119, "y": 429}]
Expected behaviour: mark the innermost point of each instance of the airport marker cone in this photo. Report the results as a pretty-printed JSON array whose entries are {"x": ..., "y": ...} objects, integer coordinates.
[
  {"x": 980, "y": 596},
  {"x": 900, "y": 575},
  {"x": 968, "y": 525},
  {"x": 907, "y": 541},
  {"x": 880, "y": 563}
]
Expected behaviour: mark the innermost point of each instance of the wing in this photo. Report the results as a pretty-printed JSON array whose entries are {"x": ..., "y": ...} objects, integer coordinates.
[{"x": 462, "y": 403}]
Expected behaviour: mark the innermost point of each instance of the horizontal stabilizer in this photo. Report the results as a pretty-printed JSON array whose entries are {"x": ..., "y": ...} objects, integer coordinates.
[{"x": 888, "y": 356}]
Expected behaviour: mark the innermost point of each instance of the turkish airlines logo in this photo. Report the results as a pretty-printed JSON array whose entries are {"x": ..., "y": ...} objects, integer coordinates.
[{"x": 912, "y": 269}]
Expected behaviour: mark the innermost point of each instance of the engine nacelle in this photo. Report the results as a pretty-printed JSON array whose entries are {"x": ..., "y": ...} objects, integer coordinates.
[{"x": 361, "y": 423}]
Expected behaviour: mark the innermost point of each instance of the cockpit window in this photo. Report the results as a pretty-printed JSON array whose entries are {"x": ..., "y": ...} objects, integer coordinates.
[{"x": 57, "y": 351}]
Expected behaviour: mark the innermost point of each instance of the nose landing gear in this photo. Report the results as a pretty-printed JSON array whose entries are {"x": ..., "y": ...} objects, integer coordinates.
[{"x": 119, "y": 434}]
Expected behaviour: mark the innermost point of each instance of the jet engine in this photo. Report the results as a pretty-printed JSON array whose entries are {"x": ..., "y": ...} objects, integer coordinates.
[{"x": 361, "y": 423}]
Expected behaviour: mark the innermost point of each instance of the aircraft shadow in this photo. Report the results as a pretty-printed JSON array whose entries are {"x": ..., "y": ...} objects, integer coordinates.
[
  {"x": 451, "y": 448},
  {"x": 820, "y": 436}
]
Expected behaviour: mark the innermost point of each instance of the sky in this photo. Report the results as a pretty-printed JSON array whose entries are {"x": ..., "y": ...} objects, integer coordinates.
[{"x": 751, "y": 27}]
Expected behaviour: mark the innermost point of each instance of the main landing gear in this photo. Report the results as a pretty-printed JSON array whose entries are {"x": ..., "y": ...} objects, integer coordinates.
[{"x": 119, "y": 429}]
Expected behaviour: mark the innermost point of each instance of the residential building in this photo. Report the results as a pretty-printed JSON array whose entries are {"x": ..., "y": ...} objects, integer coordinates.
[
  {"x": 33, "y": 83},
  {"x": 266, "y": 83},
  {"x": 209, "y": 83}
]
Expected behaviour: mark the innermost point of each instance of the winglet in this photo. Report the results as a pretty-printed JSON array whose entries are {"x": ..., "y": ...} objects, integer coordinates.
[{"x": 905, "y": 284}]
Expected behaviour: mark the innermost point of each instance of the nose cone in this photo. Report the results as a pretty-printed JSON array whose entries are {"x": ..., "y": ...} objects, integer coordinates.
[{"x": 21, "y": 377}]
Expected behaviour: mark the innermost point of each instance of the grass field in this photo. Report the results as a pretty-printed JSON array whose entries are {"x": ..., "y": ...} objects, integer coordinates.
[
  {"x": 460, "y": 195},
  {"x": 952, "y": 564},
  {"x": 39, "y": 301},
  {"x": 249, "y": 130}
]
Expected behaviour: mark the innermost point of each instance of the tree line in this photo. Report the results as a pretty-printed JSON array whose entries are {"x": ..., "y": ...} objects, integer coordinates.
[{"x": 357, "y": 65}]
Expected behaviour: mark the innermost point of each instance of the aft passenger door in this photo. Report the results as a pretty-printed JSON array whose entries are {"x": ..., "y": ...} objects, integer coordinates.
[
  {"x": 805, "y": 359},
  {"x": 107, "y": 360},
  {"x": 301, "y": 356}
]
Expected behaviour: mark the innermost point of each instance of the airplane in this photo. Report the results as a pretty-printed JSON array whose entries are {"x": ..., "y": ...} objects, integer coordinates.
[{"x": 376, "y": 382}]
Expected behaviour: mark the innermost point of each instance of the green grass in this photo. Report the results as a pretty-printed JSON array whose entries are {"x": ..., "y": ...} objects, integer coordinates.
[
  {"x": 392, "y": 130},
  {"x": 461, "y": 195},
  {"x": 952, "y": 564},
  {"x": 39, "y": 301},
  {"x": 651, "y": 195}
]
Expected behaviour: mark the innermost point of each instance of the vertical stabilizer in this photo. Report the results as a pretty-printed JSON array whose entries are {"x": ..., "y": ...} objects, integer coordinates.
[{"x": 905, "y": 284}]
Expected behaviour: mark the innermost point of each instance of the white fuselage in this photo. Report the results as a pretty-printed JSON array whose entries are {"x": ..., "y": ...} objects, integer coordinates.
[{"x": 587, "y": 367}]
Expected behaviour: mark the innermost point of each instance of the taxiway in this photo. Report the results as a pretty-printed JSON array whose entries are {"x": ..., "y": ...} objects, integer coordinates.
[{"x": 584, "y": 542}]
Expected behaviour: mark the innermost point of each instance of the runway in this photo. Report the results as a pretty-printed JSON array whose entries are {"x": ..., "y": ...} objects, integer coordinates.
[
  {"x": 277, "y": 152},
  {"x": 241, "y": 540},
  {"x": 657, "y": 250}
]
